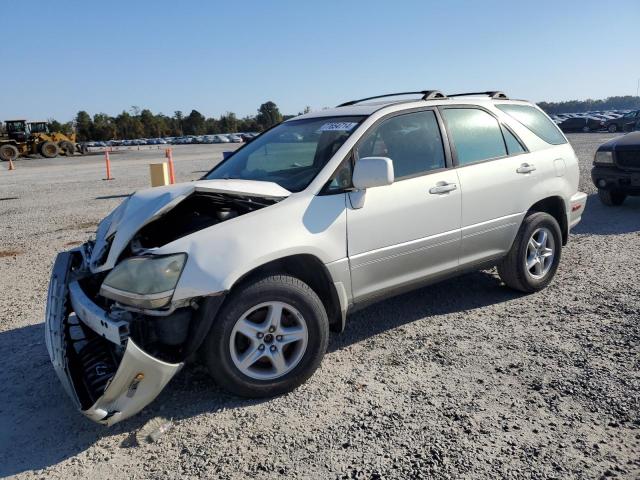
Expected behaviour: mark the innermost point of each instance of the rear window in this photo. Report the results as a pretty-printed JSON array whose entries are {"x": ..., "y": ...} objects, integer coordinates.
[{"x": 536, "y": 121}]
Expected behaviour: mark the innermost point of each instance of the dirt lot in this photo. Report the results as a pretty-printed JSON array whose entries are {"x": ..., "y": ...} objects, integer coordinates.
[{"x": 465, "y": 379}]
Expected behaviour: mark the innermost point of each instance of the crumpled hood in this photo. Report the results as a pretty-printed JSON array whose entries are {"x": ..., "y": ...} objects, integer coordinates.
[{"x": 119, "y": 227}]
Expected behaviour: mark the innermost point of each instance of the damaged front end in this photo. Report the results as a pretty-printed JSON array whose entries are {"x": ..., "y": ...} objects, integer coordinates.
[
  {"x": 116, "y": 331},
  {"x": 112, "y": 362}
]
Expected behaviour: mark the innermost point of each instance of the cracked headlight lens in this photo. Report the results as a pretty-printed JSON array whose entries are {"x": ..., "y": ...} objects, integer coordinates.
[{"x": 144, "y": 282}]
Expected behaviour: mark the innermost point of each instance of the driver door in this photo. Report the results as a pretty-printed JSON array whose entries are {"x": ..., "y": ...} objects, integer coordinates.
[{"x": 408, "y": 231}]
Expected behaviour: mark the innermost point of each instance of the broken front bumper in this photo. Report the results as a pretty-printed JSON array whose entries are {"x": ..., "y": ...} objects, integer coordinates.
[{"x": 138, "y": 376}]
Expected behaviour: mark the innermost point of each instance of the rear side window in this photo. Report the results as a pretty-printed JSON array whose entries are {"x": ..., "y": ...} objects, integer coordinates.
[
  {"x": 476, "y": 135},
  {"x": 536, "y": 121},
  {"x": 513, "y": 145},
  {"x": 412, "y": 141}
]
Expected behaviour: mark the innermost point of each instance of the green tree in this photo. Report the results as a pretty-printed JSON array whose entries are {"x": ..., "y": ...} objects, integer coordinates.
[
  {"x": 104, "y": 127},
  {"x": 128, "y": 126},
  {"x": 248, "y": 124},
  {"x": 56, "y": 126},
  {"x": 268, "y": 115},
  {"x": 228, "y": 123},
  {"x": 84, "y": 126},
  {"x": 194, "y": 123},
  {"x": 211, "y": 126},
  {"x": 150, "y": 124},
  {"x": 178, "y": 119}
]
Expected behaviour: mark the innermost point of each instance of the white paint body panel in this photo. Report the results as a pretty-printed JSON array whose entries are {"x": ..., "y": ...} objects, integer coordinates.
[
  {"x": 371, "y": 241},
  {"x": 401, "y": 233}
]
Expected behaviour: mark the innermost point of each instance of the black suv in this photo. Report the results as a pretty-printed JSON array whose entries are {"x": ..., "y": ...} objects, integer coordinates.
[
  {"x": 626, "y": 123},
  {"x": 616, "y": 169}
]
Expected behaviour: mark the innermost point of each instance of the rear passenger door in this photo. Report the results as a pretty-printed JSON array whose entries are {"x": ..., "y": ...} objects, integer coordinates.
[{"x": 495, "y": 178}]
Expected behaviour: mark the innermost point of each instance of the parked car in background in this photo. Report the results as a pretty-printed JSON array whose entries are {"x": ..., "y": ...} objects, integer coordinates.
[
  {"x": 616, "y": 169},
  {"x": 625, "y": 123},
  {"x": 581, "y": 124},
  {"x": 234, "y": 138}
]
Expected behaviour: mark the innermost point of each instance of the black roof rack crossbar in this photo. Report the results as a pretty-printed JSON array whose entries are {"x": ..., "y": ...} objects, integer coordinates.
[
  {"x": 426, "y": 95},
  {"x": 493, "y": 94}
]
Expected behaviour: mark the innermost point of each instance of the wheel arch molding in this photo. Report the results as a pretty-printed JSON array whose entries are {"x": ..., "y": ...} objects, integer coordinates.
[
  {"x": 555, "y": 206},
  {"x": 309, "y": 269}
]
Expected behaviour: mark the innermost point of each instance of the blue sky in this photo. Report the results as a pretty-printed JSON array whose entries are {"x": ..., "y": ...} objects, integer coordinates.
[{"x": 60, "y": 57}]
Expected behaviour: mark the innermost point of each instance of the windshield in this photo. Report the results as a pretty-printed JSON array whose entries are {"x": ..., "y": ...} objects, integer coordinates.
[{"x": 290, "y": 154}]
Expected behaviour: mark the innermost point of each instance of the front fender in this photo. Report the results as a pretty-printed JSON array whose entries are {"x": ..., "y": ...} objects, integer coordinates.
[{"x": 301, "y": 224}]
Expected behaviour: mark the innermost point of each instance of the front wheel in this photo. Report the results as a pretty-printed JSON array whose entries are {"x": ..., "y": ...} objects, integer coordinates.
[
  {"x": 48, "y": 149},
  {"x": 268, "y": 338},
  {"x": 533, "y": 259},
  {"x": 611, "y": 198},
  {"x": 613, "y": 128},
  {"x": 8, "y": 152}
]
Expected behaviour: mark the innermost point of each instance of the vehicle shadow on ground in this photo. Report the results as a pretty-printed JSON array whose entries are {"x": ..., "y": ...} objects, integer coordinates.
[
  {"x": 468, "y": 292},
  {"x": 33, "y": 404},
  {"x": 599, "y": 219}
]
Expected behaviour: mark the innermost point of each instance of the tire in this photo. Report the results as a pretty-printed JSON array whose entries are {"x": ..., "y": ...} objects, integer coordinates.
[
  {"x": 67, "y": 148},
  {"x": 82, "y": 148},
  {"x": 613, "y": 128},
  {"x": 8, "y": 152},
  {"x": 513, "y": 269},
  {"x": 49, "y": 149},
  {"x": 611, "y": 198},
  {"x": 224, "y": 347}
]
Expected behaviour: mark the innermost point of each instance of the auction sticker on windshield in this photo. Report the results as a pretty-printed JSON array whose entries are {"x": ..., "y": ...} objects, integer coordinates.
[{"x": 338, "y": 126}]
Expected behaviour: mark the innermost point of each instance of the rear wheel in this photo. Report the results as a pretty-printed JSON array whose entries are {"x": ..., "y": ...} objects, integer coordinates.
[
  {"x": 611, "y": 198},
  {"x": 268, "y": 338},
  {"x": 613, "y": 128},
  {"x": 67, "y": 148},
  {"x": 49, "y": 149},
  {"x": 8, "y": 152},
  {"x": 533, "y": 259}
]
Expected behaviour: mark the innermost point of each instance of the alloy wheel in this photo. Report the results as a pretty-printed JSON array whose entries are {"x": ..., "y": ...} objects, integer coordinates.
[
  {"x": 540, "y": 253},
  {"x": 269, "y": 340}
]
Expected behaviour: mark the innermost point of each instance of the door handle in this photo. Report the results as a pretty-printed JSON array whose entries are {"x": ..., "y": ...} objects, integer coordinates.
[
  {"x": 525, "y": 168},
  {"x": 442, "y": 187}
]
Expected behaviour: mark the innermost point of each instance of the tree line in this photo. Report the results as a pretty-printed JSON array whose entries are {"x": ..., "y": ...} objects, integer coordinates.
[
  {"x": 628, "y": 102},
  {"x": 142, "y": 123}
]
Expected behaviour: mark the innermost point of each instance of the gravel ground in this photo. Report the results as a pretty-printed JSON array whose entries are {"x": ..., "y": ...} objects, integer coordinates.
[{"x": 465, "y": 379}]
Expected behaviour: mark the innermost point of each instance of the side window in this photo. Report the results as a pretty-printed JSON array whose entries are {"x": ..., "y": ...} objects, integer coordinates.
[
  {"x": 536, "y": 121},
  {"x": 341, "y": 178},
  {"x": 412, "y": 141},
  {"x": 513, "y": 145},
  {"x": 475, "y": 134}
]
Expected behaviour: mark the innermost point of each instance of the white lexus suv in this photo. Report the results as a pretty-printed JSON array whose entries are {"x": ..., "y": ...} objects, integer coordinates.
[{"x": 250, "y": 267}]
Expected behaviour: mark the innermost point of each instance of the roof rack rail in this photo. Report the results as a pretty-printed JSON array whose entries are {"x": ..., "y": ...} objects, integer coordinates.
[
  {"x": 498, "y": 95},
  {"x": 426, "y": 95}
]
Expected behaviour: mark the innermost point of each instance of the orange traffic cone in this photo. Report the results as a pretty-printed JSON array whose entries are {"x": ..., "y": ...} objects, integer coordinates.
[{"x": 11, "y": 165}]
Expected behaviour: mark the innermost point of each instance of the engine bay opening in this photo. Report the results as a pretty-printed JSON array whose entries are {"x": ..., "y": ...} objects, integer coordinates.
[{"x": 197, "y": 212}]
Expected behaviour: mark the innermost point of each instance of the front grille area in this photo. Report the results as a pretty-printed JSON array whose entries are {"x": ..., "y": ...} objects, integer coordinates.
[{"x": 628, "y": 158}]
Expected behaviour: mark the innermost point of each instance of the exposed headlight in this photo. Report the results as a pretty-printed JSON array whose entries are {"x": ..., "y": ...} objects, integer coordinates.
[
  {"x": 603, "y": 158},
  {"x": 144, "y": 282}
]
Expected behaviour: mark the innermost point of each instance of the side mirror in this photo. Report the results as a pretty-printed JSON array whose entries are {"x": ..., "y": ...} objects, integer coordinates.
[{"x": 372, "y": 172}]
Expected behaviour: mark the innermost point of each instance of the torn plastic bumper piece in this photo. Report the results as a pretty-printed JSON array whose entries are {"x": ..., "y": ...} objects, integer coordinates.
[{"x": 139, "y": 377}]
